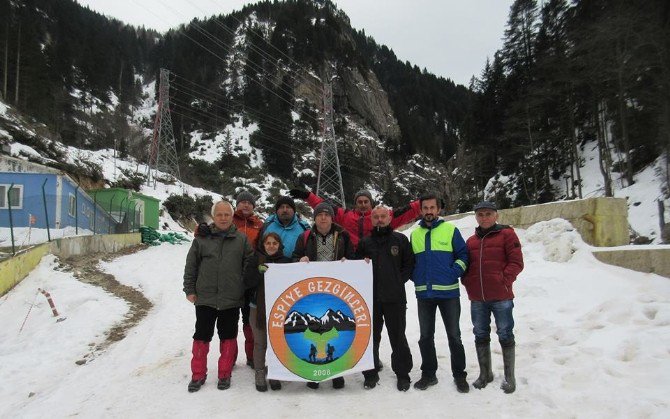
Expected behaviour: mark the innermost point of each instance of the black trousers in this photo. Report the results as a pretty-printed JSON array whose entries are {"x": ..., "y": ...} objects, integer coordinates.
[
  {"x": 395, "y": 315},
  {"x": 226, "y": 323},
  {"x": 245, "y": 308}
]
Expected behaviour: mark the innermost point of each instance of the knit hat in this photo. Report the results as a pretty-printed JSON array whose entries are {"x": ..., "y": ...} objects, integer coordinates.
[
  {"x": 363, "y": 192},
  {"x": 285, "y": 200},
  {"x": 486, "y": 205},
  {"x": 245, "y": 196},
  {"x": 324, "y": 207}
]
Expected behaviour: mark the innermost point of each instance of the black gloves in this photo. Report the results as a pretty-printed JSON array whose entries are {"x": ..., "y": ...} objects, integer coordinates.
[
  {"x": 202, "y": 230},
  {"x": 299, "y": 193}
]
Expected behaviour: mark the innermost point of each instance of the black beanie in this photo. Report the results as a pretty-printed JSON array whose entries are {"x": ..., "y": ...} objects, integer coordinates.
[{"x": 285, "y": 200}]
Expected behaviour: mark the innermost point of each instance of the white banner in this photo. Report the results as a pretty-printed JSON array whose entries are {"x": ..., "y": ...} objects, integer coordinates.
[{"x": 319, "y": 319}]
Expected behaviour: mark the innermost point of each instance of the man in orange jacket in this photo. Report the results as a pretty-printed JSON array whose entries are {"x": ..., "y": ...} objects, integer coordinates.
[{"x": 248, "y": 223}]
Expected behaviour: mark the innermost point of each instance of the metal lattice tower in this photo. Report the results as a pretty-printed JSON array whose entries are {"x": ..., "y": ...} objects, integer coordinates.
[
  {"x": 329, "y": 182},
  {"x": 163, "y": 152}
]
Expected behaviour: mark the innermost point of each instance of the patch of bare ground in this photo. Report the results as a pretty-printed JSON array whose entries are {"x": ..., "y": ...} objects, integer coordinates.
[{"x": 85, "y": 269}]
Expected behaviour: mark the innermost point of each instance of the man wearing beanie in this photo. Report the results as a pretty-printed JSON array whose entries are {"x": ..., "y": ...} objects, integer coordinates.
[
  {"x": 248, "y": 223},
  {"x": 325, "y": 241},
  {"x": 357, "y": 221},
  {"x": 245, "y": 219},
  {"x": 286, "y": 223}
]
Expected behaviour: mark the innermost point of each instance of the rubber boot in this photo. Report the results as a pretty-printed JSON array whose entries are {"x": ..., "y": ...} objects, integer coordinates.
[
  {"x": 275, "y": 385},
  {"x": 485, "y": 371},
  {"x": 509, "y": 385},
  {"x": 228, "y": 350},
  {"x": 200, "y": 350},
  {"x": 261, "y": 384},
  {"x": 248, "y": 344}
]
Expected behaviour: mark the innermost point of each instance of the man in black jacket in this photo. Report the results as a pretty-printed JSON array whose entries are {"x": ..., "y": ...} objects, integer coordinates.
[{"x": 392, "y": 264}]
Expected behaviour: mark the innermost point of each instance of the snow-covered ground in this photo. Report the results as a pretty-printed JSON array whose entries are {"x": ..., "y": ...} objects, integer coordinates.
[{"x": 592, "y": 341}]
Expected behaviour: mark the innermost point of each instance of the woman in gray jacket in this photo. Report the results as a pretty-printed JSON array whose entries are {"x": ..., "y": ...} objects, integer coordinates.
[{"x": 213, "y": 282}]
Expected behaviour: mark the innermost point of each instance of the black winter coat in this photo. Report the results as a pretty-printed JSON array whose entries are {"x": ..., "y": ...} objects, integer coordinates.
[
  {"x": 392, "y": 263},
  {"x": 254, "y": 281},
  {"x": 307, "y": 247}
]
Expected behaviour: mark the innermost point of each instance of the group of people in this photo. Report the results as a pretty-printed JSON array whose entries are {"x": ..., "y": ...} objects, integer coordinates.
[{"x": 226, "y": 264}]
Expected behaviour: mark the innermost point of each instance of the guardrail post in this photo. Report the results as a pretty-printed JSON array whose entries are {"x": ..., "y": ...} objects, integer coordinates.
[
  {"x": 11, "y": 221},
  {"x": 46, "y": 212}
]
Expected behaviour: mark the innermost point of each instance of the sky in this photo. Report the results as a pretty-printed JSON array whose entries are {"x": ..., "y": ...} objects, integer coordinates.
[{"x": 450, "y": 38}]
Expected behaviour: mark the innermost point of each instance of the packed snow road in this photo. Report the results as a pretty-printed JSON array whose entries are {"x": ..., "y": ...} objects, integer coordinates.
[{"x": 592, "y": 341}]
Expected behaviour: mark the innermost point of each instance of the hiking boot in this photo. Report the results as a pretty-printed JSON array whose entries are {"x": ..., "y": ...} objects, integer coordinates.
[
  {"x": 275, "y": 385},
  {"x": 313, "y": 385},
  {"x": 223, "y": 384},
  {"x": 403, "y": 384},
  {"x": 195, "y": 385},
  {"x": 338, "y": 383},
  {"x": 462, "y": 385},
  {"x": 425, "y": 382},
  {"x": 370, "y": 382}
]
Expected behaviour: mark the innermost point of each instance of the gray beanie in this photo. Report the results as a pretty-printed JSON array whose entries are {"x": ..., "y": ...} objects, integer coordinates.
[
  {"x": 486, "y": 205},
  {"x": 363, "y": 192},
  {"x": 324, "y": 207},
  {"x": 245, "y": 196}
]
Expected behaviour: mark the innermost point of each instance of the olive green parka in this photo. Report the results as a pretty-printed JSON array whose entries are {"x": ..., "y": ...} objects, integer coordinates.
[{"x": 215, "y": 267}]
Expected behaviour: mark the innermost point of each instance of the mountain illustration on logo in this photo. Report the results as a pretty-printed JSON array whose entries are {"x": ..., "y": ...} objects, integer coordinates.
[{"x": 297, "y": 322}]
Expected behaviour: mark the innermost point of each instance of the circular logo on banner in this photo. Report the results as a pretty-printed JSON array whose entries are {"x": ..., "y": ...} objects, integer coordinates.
[{"x": 319, "y": 327}]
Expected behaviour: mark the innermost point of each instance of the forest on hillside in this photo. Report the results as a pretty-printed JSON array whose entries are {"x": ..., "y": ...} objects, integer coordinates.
[{"x": 569, "y": 72}]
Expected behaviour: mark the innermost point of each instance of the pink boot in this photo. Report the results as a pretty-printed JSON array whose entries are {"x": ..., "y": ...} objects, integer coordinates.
[
  {"x": 198, "y": 365},
  {"x": 249, "y": 344},
  {"x": 228, "y": 348}
]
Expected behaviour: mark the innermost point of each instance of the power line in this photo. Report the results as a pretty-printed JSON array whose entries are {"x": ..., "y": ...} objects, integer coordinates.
[
  {"x": 203, "y": 31},
  {"x": 249, "y": 63},
  {"x": 274, "y": 141},
  {"x": 184, "y": 107},
  {"x": 267, "y": 56}
]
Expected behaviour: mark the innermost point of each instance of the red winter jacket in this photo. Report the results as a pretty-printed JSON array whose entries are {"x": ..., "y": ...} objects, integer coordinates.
[
  {"x": 359, "y": 224},
  {"x": 495, "y": 260}
]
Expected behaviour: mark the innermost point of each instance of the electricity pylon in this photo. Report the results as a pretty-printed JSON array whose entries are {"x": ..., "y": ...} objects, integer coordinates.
[
  {"x": 163, "y": 151},
  {"x": 329, "y": 182}
]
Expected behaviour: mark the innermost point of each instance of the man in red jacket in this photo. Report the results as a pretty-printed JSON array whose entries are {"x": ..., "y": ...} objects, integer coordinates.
[
  {"x": 357, "y": 222},
  {"x": 495, "y": 261}
]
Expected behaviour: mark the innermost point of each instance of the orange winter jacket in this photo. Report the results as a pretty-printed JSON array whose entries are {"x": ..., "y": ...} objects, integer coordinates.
[{"x": 249, "y": 226}]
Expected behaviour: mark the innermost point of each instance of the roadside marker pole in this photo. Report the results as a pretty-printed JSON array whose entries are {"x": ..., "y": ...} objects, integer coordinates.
[{"x": 51, "y": 303}]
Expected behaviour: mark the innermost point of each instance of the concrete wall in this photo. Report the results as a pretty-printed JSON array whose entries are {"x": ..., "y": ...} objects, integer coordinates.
[
  {"x": 602, "y": 222},
  {"x": 13, "y": 270},
  {"x": 80, "y": 245},
  {"x": 642, "y": 260}
]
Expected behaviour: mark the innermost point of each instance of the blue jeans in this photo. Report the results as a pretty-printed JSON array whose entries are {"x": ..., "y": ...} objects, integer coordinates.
[
  {"x": 480, "y": 312},
  {"x": 450, "y": 310}
]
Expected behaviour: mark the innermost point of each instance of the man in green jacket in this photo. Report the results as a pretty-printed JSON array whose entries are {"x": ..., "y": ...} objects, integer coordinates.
[{"x": 213, "y": 283}]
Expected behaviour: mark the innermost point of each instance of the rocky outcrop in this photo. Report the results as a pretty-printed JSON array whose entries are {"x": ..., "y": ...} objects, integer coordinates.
[{"x": 365, "y": 97}]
